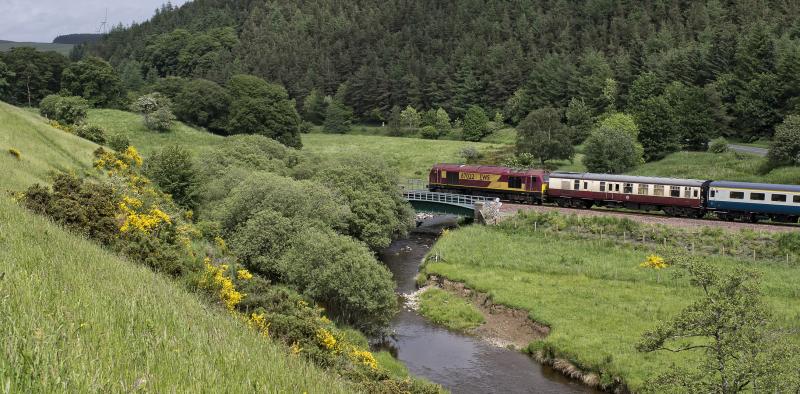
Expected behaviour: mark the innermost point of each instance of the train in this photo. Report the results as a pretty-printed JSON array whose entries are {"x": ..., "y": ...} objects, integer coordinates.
[{"x": 690, "y": 198}]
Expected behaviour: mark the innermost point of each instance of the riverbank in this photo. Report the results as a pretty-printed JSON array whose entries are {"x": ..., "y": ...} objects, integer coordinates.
[
  {"x": 591, "y": 293},
  {"x": 460, "y": 362}
]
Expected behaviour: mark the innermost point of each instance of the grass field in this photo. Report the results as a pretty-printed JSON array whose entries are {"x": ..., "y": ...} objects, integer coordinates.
[
  {"x": 592, "y": 293},
  {"x": 76, "y": 318},
  {"x": 130, "y": 124},
  {"x": 449, "y": 310},
  {"x": 411, "y": 157},
  {"x": 729, "y": 166},
  {"x": 63, "y": 49},
  {"x": 42, "y": 149}
]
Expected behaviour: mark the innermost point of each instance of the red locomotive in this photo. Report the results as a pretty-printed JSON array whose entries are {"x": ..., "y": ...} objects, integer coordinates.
[{"x": 525, "y": 186}]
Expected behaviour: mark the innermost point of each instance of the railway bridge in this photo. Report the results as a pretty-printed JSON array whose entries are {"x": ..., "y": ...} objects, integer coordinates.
[{"x": 461, "y": 205}]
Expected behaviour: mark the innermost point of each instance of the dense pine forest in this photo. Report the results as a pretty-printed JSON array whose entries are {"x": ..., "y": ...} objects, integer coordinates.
[{"x": 738, "y": 60}]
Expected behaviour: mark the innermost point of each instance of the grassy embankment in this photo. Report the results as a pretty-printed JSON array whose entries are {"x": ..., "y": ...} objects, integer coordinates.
[
  {"x": 77, "y": 318},
  {"x": 592, "y": 292},
  {"x": 449, "y": 310}
]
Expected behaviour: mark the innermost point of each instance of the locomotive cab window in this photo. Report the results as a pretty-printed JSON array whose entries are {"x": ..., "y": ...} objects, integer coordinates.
[
  {"x": 514, "y": 182},
  {"x": 628, "y": 188},
  {"x": 737, "y": 195},
  {"x": 779, "y": 197},
  {"x": 674, "y": 191},
  {"x": 757, "y": 196},
  {"x": 452, "y": 177}
]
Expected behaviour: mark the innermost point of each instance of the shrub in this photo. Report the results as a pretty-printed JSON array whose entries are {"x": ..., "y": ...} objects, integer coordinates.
[
  {"x": 429, "y": 132},
  {"x": 119, "y": 142},
  {"x": 203, "y": 103},
  {"x": 155, "y": 110},
  {"x": 172, "y": 169},
  {"x": 306, "y": 127},
  {"x": 611, "y": 151},
  {"x": 92, "y": 133},
  {"x": 718, "y": 145},
  {"x": 470, "y": 154},
  {"x": 64, "y": 109},
  {"x": 274, "y": 119},
  {"x": 84, "y": 207}
]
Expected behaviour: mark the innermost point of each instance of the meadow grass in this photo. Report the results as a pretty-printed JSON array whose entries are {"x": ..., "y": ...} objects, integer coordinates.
[
  {"x": 592, "y": 293},
  {"x": 147, "y": 141},
  {"x": 42, "y": 149},
  {"x": 730, "y": 166},
  {"x": 507, "y": 135},
  {"x": 449, "y": 310},
  {"x": 76, "y": 318},
  {"x": 63, "y": 49},
  {"x": 411, "y": 157}
]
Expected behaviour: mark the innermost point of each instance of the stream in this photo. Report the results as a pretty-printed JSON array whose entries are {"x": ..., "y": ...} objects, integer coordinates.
[{"x": 459, "y": 362}]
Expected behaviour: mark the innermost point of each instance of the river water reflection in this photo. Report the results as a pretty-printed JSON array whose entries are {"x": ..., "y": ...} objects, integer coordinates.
[{"x": 461, "y": 363}]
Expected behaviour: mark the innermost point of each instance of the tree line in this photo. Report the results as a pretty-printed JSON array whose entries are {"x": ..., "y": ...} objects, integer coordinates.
[{"x": 735, "y": 58}]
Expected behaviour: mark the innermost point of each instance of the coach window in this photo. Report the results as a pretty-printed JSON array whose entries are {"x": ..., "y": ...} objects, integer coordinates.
[
  {"x": 695, "y": 193},
  {"x": 628, "y": 189},
  {"x": 658, "y": 190},
  {"x": 585, "y": 185},
  {"x": 757, "y": 196},
  {"x": 779, "y": 197},
  {"x": 674, "y": 191},
  {"x": 796, "y": 199},
  {"x": 577, "y": 185},
  {"x": 452, "y": 177},
  {"x": 687, "y": 192},
  {"x": 616, "y": 187},
  {"x": 713, "y": 193},
  {"x": 737, "y": 195},
  {"x": 602, "y": 186},
  {"x": 644, "y": 189},
  {"x": 514, "y": 182}
]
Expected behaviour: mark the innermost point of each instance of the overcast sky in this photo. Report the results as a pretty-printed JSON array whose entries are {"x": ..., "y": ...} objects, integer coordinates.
[{"x": 43, "y": 20}]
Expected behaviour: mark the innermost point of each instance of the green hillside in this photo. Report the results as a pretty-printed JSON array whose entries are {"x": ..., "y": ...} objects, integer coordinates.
[
  {"x": 63, "y": 49},
  {"x": 77, "y": 318}
]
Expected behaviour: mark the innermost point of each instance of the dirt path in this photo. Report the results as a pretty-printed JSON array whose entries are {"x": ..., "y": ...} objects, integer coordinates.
[{"x": 509, "y": 209}]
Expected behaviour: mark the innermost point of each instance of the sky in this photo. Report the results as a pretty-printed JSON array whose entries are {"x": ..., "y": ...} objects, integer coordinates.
[{"x": 43, "y": 20}]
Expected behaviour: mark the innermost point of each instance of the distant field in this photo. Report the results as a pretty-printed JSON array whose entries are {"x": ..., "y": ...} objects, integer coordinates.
[
  {"x": 412, "y": 157},
  {"x": 729, "y": 166},
  {"x": 593, "y": 294},
  {"x": 63, "y": 49}
]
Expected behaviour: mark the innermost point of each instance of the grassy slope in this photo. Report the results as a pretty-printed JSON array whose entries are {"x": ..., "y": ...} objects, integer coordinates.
[
  {"x": 43, "y": 150},
  {"x": 63, "y": 49},
  {"x": 76, "y": 318},
  {"x": 729, "y": 166},
  {"x": 130, "y": 124},
  {"x": 412, "y": 157},
  {"x": 593, "y": 294}
]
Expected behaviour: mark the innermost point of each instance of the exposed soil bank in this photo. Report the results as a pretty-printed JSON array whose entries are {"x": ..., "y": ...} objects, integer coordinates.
[{"x": 509, "y": 327}]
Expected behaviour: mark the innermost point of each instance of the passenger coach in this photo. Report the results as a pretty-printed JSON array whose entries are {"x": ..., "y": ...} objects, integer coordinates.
[
  {"x": 676, "y": 197},
  {"x": 754, "y": 201},
  {"x": 526, "y": 186}
]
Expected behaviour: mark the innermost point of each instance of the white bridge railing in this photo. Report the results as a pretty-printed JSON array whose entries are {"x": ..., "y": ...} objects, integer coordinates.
[{"x": 445, "y": 198}]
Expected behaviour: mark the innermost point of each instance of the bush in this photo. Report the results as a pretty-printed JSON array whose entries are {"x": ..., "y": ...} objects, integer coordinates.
[
  {"x": 429, "y": 132},
  {"x": 119, "y": 142},
  {"x": 155, "y": 110},
  {"x": 470, "y": 154},
  {"x": 172, "y": 169},
  {"x": 274, "y": 119},
  {"x": 306, "y": 127},
  {"x": 92, "y": 133},
  {"x": 87, "y": 208},
  {"x": 611, "y": 151},
  {"x": 64, "y": 109},
  {"x": 343, "y": 275},
  {"x": 718, "y": 145}
]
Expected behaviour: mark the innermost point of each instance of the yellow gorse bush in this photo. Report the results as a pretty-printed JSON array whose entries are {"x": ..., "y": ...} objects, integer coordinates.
[
  {"x": 258, "y": 321},
  {"x": 214, "y": 278},
  {"x": 244, "y": 274},
  {"x": 364, "y": 357},
  {"x": 655, "y": 262},
  {"x": 326, "y": 339}
]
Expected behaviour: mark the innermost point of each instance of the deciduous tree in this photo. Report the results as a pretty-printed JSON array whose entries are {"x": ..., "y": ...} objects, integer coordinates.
[{"x": 542, "y": 135}]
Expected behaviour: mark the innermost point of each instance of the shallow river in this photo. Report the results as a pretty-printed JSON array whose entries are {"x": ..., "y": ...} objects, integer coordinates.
[{"x": 461, "y": 363}]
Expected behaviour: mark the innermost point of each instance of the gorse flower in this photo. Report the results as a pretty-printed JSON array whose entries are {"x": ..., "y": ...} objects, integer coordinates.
[
  {"x": 244, "y": 274},
  {"x": 326, "y": 339},
  {"x": 363, "y": 357},
  {"x": 655, "y": 262},
  {"x": 258, "y": 321},
  {"x": 214, "y": 279}
]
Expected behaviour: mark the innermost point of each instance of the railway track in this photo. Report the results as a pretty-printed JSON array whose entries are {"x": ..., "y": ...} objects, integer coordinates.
[{"x": 509, "y": 209}]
